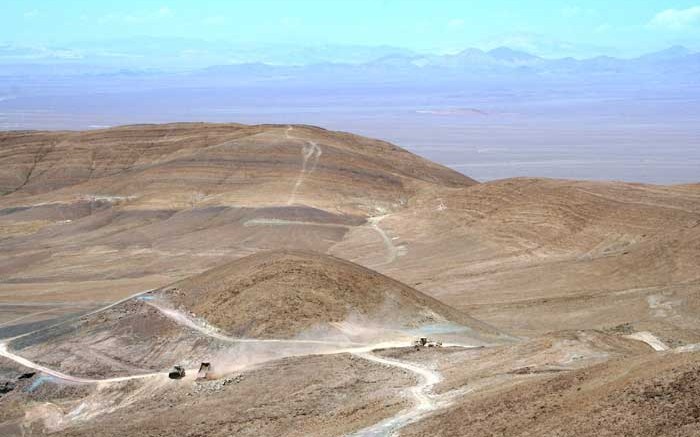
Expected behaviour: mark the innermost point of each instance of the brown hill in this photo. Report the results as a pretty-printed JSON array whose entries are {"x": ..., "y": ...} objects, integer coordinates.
[
  {"x": 127, "y": 339},
  {"x": 162, "y": 203},
  {"x": 534, "y": 255},
  {"x": 98, "y": 215},
  {"x": 88, "y": 217},
  {"x": 176, "y": 165},
  {"x": 285, "y": 293},
  {"x": 643, "y": 395},
  {"x": 279, "y": 294}
]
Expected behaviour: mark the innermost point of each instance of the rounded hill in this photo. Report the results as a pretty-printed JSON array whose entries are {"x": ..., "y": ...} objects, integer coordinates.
[{"x": 285, "y": 293}]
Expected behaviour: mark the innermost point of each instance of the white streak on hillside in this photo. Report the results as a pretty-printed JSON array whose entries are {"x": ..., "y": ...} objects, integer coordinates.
[
  {"x": 391, "y": 249},
  {"x": 311, "y": 151},
  {"x": 423, "y": 401},
  {"x": 650, "y": 339}
]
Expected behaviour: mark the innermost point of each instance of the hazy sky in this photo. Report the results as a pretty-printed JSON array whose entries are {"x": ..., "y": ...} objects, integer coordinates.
[{"x": 545, "y": 27}]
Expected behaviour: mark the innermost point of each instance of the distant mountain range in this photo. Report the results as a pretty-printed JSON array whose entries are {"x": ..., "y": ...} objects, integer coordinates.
[
  {"x": 474, "y": 65},
  {"x": 177, "y": 54},
  {"x": 181, "y": 55},
  {"x": 500, "y": 71}
]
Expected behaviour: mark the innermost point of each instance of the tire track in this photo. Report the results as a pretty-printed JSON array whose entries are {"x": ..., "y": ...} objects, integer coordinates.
[
  {"x": 424, "y": 401},
  {"x": 184, "y": 320},
  {"x": 391, "y": 249},
  {"x": 4, "y": 352},
  {"x": 311, "y": 153}
]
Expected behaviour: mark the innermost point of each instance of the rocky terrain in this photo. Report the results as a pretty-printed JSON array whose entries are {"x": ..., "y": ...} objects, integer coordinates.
[
  {"x": 264, "y": 306},
  {"x": 646, "y": 395},
  {"x": 285, "y": 293},
  {"x": 303, "y": 263},
  {"x": 315, "y": 396}
]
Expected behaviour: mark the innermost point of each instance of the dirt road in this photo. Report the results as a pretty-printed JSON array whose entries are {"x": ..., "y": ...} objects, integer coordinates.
[
  {"x": 391, "y": 250},
  {"x": 4, "y": 352},
  {"x": 650, "y": 339},
  {"x": 184, "y": 320},
  {"x": 311, "y": 151},
  {"x": 423, "y": 401}
]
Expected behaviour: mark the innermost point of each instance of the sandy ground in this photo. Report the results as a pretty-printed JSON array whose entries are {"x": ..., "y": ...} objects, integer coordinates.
[
  {"x": 365, "y": 393},
  {"x": 645, "y": 395},
  {"x": 298, "y": 396},
  {"x": 595, "y": 286}
]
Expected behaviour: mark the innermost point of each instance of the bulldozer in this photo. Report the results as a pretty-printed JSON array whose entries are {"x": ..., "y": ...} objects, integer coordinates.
[
  {"x": 178, "y": 372},
  {"x": 426, "y": 342}
]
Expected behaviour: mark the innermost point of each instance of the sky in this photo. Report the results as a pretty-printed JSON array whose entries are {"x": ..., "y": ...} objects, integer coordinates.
[{"x": 544, "y": 27}]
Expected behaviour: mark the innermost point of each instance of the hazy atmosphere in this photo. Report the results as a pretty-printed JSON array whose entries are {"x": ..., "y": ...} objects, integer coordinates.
[
  {"x": 335, "y": 218},
  {"x": 587, "y": 90}
]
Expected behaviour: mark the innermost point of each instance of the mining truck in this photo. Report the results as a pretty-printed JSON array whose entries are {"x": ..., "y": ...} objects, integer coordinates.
[{"x": 205, "y": 371}]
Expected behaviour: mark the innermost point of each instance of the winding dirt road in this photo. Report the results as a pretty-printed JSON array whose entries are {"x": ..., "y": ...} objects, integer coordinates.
[
  {"x": 184, "y": 320},
  {"x": 391, "y": 249},
  {"x": 311, "y": 151},
  {"x": 4, "y": 352},
  {"x": 423, "y": 401}
]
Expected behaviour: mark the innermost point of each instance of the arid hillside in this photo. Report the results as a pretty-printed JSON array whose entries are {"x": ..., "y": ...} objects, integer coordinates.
[
  {"x": 286, "y": 293},
  {"x": 94, "y": 216},
  {"x": 179, "y": 165},
  {"x": 645, "y": 395},
  {"x": 267, "y": 305},
  {"x": 304, "y": 264},
  {"x": 536, "y": 255}
]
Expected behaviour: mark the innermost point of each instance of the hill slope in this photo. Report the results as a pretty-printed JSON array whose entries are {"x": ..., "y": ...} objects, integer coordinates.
[
  {"x": 99, "y": 215},
  {"x": 158, "y": 204},
  {"x": 532, "y": 255},
  {"x": 285, "y": 293},
  {"x": 642, "y": 395},
  {"x": 281, "y": 295},
  {"x": 175, "y": 165}
]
